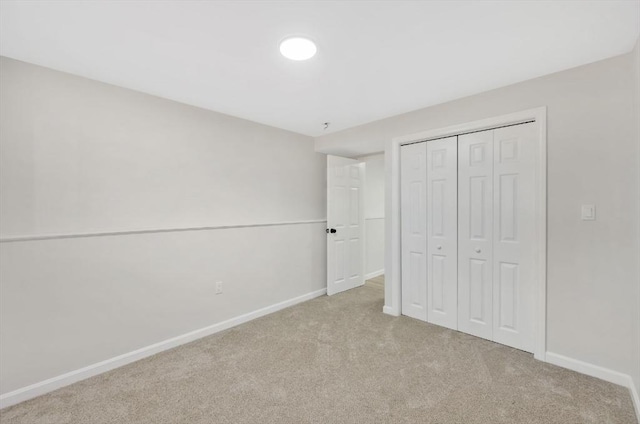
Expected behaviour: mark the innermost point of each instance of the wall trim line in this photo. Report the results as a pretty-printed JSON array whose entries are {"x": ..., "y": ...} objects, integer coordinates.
[
  {"x": 51, "y": 384},
  {"x": 597, "y": 371},
  {"x": 374, "y": 274},
  {"x": 13, "y": 239}
]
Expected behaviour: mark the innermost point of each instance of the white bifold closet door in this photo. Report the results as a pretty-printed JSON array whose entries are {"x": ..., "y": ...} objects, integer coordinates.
[
  {"x": 469, "y": 233},
  {"x": 496, "y": 234},
  {"x": 429, "y": 231},
  {"x": 514, "y": 234},
  {"x": 442, "y": 232},
  {"x": 475, "y": 234},
  {"x": 413, "y": 195}
]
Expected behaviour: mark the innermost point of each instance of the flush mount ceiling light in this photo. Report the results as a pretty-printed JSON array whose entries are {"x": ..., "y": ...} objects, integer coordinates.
[{"x": 298, "y": 48}]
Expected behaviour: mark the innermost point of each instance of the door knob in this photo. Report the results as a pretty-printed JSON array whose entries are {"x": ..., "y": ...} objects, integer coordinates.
[
  {"x": 478, "y": 250},
  {"x": 439, "y": 247},
  {"x": 331, "y": 230}
]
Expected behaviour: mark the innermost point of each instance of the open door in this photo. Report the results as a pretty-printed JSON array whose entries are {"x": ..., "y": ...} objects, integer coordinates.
[{"x": 345, "y": 224}]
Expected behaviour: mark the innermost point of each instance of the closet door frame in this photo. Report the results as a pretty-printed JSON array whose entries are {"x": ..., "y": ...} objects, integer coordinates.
[{"x": 393, "y": 259}]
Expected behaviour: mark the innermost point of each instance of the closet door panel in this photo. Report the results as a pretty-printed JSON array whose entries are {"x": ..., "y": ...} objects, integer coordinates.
[
  {"x": 475, "y": 233},
  {"x": 442, "y": 238},
  {"x": 514, "y": 231},
  {"x": 413, "y": 193}
]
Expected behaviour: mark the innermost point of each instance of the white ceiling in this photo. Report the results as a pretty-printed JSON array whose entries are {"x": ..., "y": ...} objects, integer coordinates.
[{"x": 375, "y": 58}]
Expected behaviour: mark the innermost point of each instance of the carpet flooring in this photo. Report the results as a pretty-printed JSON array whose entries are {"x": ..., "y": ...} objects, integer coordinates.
[{"x": 334, "y": 360}]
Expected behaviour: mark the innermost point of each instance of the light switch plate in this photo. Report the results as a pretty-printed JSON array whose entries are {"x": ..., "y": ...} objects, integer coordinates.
[{"x": 588, "y": 212}]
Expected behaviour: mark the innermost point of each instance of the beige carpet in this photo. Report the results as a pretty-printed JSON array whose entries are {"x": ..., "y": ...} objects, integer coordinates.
[{"x": 335, "y": 360}]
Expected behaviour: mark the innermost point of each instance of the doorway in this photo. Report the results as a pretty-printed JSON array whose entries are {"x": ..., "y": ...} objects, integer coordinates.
[{"x": 374, "y": 218}]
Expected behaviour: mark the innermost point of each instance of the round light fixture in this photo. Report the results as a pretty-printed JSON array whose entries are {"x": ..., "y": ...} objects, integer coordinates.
[{"x": 298, "y": 48}]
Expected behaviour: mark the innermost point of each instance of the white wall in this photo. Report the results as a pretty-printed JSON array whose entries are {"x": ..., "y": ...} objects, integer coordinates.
[
  {"x": 374, "y": 213},
  {"x": 133, "y": 161},
  {"x": 80, "y": 156},
  {"x": 593, "y": 157}
]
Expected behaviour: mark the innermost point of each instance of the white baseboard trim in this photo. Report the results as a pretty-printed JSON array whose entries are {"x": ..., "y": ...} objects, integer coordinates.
[
  {"x": 597, "y": 371},
  {"x": 374, "y": 274},
  {"x": 605, "y": 374},
  {"x": 46, "y": 386},
  {"x": 636, "y": 399},
  {"x": 390, "y": 311}
]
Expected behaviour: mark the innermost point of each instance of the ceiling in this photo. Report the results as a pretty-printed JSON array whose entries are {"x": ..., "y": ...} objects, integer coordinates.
[{"x": 375, "y": 58}]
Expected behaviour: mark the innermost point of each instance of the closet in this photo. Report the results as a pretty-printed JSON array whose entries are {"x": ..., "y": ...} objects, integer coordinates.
[{"x": 468, "y": 232}]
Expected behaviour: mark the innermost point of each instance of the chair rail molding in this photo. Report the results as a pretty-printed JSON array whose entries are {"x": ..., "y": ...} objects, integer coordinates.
[{"x": 13, "y": 239}]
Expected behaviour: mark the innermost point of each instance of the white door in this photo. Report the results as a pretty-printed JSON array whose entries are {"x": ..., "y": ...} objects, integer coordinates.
[
  {"x": 514, "y": 234},
  {"x": 442, "y": 232},
  {"x": 345, "y": 224},
  {"x": 475, "y": 234},
  {"x": 497, "y": 234},
  {"x": 413, "y": 194}
]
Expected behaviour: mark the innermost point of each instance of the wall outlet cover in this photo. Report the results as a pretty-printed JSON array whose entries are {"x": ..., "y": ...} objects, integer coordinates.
[{"x": 588, "y": 212}]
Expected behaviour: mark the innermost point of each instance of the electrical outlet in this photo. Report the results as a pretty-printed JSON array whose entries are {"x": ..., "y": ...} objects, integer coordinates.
[{"x": 219, "y": 287}]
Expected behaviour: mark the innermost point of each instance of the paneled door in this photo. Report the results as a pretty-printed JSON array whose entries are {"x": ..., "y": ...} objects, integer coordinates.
[
  {"x": 514, "y": 234},
  {"x": 442, "y": 232},
  {"x": 413, "y": 199},
  {"x": 497, "y": 234},
  {"x": 345, "y": 224},
  {"x": 470, "y": 232},
  {"x": 475, "y": 234}
]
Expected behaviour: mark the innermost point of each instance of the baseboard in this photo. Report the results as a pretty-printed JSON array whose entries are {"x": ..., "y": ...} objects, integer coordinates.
[
  {"x": 636, "y": 399},
  {"x": 374, "y": 274},
  {"x": 596, "y": 371},
  {"x": 588, "y": 369},
  {"x": 390, "y": 311},
  {"x": 46, "y": 386}
]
